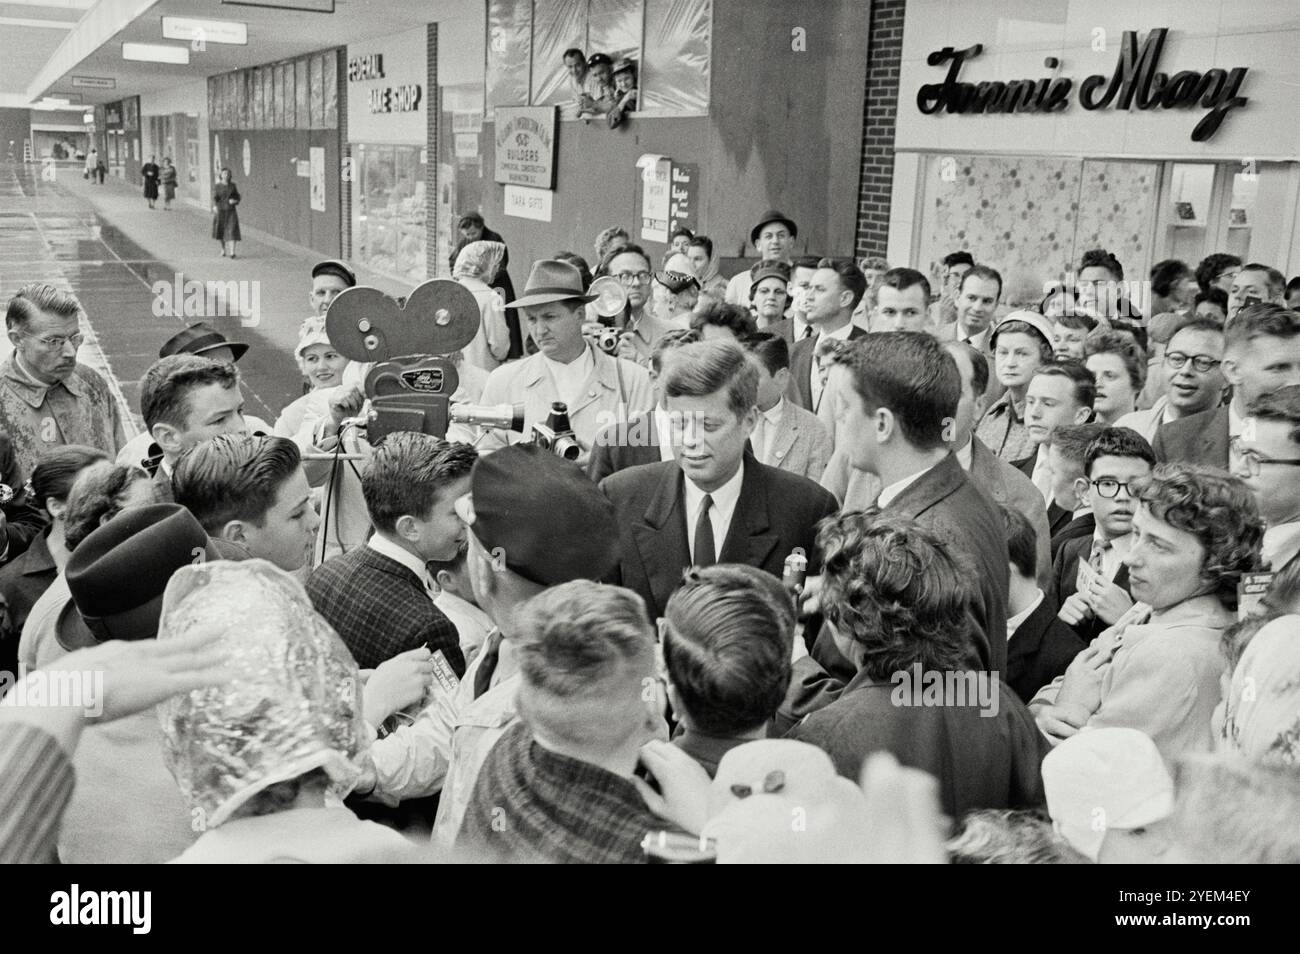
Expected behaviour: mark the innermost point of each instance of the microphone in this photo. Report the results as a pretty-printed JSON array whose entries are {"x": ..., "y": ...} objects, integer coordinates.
[{"x": 506, "y": 417}]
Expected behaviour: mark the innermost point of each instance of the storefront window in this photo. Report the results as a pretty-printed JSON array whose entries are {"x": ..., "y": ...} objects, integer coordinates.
[{"x": 388, "y": 231}]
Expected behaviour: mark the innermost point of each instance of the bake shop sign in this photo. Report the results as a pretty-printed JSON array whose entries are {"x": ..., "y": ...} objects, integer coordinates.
[{"x": 1135, "y": 83}]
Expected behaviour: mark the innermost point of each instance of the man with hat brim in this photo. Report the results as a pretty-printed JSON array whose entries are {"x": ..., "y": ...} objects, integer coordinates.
[
  {"x": 1021, "y": 344},
  {"x": 597, "y": 389},
  {"x": 773, "y": 237},
  {"x": 562, "y": 529},
  {"x": 126, "y": 808}
]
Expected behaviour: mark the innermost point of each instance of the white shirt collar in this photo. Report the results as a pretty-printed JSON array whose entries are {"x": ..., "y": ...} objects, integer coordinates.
[
  {"x": 582, "y": 363},
  {"x": 773, "y": 413},
  {"x": 724, "y": 503},
  {"x": 840, "y": 334},
  {"x": 1014, "y": 622},
  {"x": 385, "y": 547},
  {"x": 1281, "y": 543},
  {"x": 664, "y": 429},
  {"x": 893, "y": 490},
  {"x": 964, "y": 455},
  {"x": 1236, "y": 423}
]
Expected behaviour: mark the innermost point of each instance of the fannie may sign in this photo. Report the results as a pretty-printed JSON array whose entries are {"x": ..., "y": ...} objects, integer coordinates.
[{"x": 1135, "y": 83}]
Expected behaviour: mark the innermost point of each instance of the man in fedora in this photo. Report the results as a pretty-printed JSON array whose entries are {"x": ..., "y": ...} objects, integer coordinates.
[
  {"x": 597, "y": 389},
  {"x": 773, "y": 237},
  {"x": 126, "y": 808},
  {"x": 203, "y": 340}
]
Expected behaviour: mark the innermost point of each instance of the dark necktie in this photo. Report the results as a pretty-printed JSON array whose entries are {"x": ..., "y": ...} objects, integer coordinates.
[
  {"x": 807, "y": 332},
  {"x": 491, "y": 656},
  {"x": 706, "y": 553}
]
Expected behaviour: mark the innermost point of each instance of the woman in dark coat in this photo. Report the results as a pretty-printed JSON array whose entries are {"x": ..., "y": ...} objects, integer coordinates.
[
  {"x": 150, "y": 172},
  {"x": 225, "y": 213}
]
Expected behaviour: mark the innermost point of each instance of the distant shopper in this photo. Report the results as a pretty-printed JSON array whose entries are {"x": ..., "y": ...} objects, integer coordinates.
[
  {"x": 168, "y": 183},
  {"x": 150, "y": 172},
  {"x": 225, "y": 214}
]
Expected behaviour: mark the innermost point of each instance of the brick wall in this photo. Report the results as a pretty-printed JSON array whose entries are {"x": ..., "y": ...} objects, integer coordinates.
[
  {"x": 433, "y": 114},
  {"x": 884, "y": 52},
  {"x": 347, "y": 172}
]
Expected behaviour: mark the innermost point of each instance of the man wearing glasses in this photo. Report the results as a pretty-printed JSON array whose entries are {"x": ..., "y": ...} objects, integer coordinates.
[
  {"x": 1089, "y": 578},
  {"x": 1268, "y": 461},
  {"x": 46, "y": 397},
  {"x": 1193, "y": 379},
  {"x": 1261, "y": 354}
]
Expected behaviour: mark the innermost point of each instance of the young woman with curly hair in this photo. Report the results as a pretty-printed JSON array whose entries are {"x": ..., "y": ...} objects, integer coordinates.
[
  {"x": 1159, "y": 668},
  {"x": 898, "y": 601}
]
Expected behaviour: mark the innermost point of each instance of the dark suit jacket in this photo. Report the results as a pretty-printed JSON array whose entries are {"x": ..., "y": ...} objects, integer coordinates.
[
  {"x": 1065, "y": 574},
  {"x": 946, "y": 501},
  {"x": 980, "y": 761},
  {"x": 801, "y": 363},
  {"x": 24, "y": 521},
  {"x": 1040, "y": 650},
  {"x": 1058, "y": 517},
  {"x": 620, "y": 446},
  {"x": 777, "y": 511},
  {"x": 1084, "y": 525},
  {"x": 380, "y": 609},
  {"x": 1199, "y": 439}
]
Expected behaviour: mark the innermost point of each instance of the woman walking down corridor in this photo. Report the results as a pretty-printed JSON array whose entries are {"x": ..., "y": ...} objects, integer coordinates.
[{"x": 225, "y": 214}]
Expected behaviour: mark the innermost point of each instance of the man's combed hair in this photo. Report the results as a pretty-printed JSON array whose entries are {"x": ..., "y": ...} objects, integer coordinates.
[
  {"x": 902, "y": 279},
  {"x": 407, "y": 473},
  {"x": 166, "y": 387},
  {"x": 727, "y": 639},
  {"x": 983, "y": 272},
  {"x": 1083, "y": 382},
  {"x": 979, "y": 365},
  {"x": 723, "y": 315},
  {"x": 1276, "y": 280},
  {"x": 1219, "y": 510},
  {"x": 1123, "y": 344},
  {"x": 1022, "y": 542},
  {"x": 698, "y": 370},
  {"x": 1117, "y": 442},
  {"x": 896, "y": 590},
  {"x": 1166, "y": 274},
  {"x": 1259, "y": 320},
  {"x": 1071, "y": 441},
  {"x": 233, "y": 477},
  {"x": 960, "y": 257},
  {"x": 576, "y": 636},
  {"x": 769, "y": 349},
  {"x": 1280, "y": 405},
  {"x": 911, "y": 374},
  {"x": 850, "y": 276},
  {"x": 669, "y": 341},
  {"x": 36, "y": 298}
]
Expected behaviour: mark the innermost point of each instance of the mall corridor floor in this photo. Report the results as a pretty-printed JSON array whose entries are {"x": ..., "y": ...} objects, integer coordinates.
[{"x": 128, "y": 265}]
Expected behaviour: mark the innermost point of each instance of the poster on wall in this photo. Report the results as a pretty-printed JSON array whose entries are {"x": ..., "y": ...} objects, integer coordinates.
[
  {"x": 683, "y": 200},
  {"x": 318, "y": 178},
  {"x": 525, "y": 146},
  {"x": 656, "y": 188}
]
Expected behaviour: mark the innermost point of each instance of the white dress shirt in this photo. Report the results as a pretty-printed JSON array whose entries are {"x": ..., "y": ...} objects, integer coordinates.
[
  {"x": 1042, "y": 476},
  {"x": 724, "y": 506},
  {"x": 472, "y": 624},
  {"x": 385, "y": 547},
  {"x": 571, "y": 378},
  {"x": 1236, "y": 426},
  {"x": 893, "y": 490},
  {"x": 815, "y": 378},
  {"x": 1112, "y": 556},
  {"x": 965, "y": 454},
  {"x": 1014, "y": 622},
  {"x": 663, "y": 427},
  {"x": 765, "y": 430}
]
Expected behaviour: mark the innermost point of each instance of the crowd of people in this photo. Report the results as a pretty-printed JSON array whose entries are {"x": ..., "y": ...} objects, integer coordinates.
[{"x": 845, "y": 570}]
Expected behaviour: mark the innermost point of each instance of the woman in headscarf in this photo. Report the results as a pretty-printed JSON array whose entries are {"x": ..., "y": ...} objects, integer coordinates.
[
  {"x": 1261, "y": 710},
  {"x": 700, "y": 253},
  {"x": 265, "y": 758},
  {"x": 476, "y": 267}
]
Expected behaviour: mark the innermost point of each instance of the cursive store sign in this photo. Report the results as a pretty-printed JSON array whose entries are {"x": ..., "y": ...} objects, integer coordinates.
[{"x": 1135, "y": 83}]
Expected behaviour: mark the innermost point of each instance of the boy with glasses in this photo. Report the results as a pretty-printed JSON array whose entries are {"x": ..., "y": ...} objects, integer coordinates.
[{"x": 1090, "y": 581}]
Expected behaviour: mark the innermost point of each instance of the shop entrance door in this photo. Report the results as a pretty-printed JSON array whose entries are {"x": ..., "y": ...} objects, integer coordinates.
[{"x": 1243, "y": 208}]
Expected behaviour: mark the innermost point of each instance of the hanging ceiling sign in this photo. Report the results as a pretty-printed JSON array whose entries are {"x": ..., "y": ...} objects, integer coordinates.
[{"x": 1135, "y": 83}]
